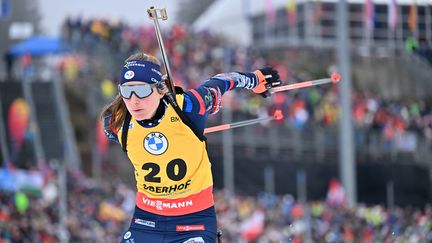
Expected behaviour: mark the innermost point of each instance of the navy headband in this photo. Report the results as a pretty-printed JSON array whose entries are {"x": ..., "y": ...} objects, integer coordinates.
[{"x": 143, "y": 71}]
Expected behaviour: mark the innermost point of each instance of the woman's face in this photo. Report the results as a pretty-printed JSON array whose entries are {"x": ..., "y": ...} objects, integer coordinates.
[{"x": 142, "y": 108}]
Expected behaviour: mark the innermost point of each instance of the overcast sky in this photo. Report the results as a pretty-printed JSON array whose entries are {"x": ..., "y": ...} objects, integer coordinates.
[{"x": 133, "y": 12}]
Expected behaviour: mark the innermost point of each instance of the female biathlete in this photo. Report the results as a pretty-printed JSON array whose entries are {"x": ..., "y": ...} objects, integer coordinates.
[{"x": 165, "y": 143}]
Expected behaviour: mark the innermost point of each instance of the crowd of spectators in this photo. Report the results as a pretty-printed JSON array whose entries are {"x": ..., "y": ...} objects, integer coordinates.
[
  {"x": 100, "y": 211},
  {"x": 95, "y": 212},
  {"x": 198, "y": 55}
]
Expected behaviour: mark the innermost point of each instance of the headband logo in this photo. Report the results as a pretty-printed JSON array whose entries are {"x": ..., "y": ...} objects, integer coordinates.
[
  {"x": 129, "y": 74},
  {"x": 156, "y": 71}
]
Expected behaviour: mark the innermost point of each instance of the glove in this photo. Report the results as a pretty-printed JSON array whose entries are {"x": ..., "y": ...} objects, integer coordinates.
[{"x": 267, "y": 79}]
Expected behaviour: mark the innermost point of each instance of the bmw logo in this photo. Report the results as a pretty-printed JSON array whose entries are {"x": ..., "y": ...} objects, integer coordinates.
[
  {"x": 155, "y": 143},
  {"x": 129, "y": 74}
]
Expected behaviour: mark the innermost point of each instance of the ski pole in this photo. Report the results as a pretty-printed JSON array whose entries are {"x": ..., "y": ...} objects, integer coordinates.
[
  {"x": 276, "y": 116},
  {"x": 153, "y": 14},
  {"x": 334, "y": 78}
]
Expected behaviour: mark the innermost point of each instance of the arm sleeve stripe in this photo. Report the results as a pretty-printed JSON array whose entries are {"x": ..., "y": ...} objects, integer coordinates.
[
  {"x": 200, "y": 100},
  {"x": 231, "y": 85},
  {"x": 187, "y": 106}
]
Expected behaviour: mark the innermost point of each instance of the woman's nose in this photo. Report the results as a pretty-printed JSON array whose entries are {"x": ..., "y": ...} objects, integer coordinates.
[{"x": 134, "y": 98}]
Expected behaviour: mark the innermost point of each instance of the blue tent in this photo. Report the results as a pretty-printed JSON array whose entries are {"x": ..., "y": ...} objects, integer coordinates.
[{"x": 39, "y": 45}]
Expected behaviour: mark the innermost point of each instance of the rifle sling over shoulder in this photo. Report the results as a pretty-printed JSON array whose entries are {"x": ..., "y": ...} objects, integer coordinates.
[{"x": 179, "y": 112}]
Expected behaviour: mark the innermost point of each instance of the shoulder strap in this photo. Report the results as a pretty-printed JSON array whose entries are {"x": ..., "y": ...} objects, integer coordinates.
[
  {"x": 125, "y": 130},
  {"x": 181, "y": 114},
  {"x": 184, "y": 118}
]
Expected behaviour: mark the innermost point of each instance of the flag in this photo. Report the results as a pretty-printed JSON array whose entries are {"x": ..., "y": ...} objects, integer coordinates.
[
  {"x": 392, "y": 14},
  {"x": 253, "y": 227},
  {"x": 336, "y": 194},
  {"x": 318, "y": 11},
  {"x": 270, "y": 13},
  {"x": 369, "y": 14},
  {"x": 412, "y": 17},
  {"x": 4, "y": 8},
  {"x": 291, "y": 12}
]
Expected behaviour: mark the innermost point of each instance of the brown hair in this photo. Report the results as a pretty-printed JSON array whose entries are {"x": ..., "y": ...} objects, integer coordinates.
[{"x": 117, "y": 107}]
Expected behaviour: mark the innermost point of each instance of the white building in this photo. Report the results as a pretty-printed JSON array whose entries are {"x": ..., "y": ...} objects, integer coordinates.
[{"x": 247, "y": 22}]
